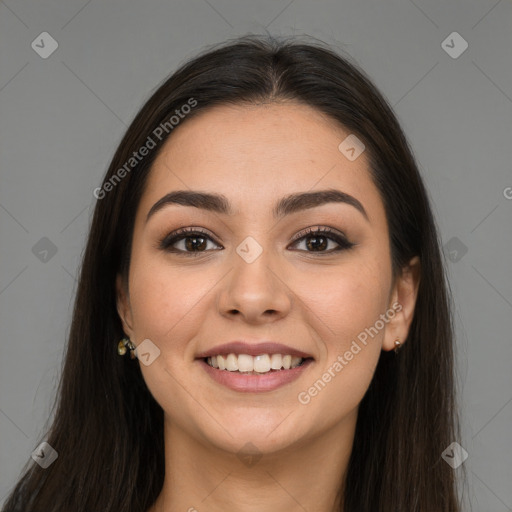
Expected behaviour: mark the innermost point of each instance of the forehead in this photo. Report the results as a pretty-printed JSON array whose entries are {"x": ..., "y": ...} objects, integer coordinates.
[{"x": 257, "y": 153}]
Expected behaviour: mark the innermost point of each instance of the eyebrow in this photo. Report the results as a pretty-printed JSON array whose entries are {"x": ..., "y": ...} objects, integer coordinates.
[{"x": 287, "y": 205}]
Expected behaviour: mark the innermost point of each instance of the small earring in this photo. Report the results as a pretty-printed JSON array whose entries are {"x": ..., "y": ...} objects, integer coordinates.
[
  {"x": 121, "y": 347},
  {"x": 397, "y": 346}
]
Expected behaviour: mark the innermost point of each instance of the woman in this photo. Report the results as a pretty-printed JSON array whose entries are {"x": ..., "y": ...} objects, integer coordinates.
[{"x": 263, "y": 247}]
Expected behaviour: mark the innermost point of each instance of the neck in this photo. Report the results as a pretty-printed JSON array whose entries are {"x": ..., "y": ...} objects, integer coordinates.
[{"x": 308, "y": 475}]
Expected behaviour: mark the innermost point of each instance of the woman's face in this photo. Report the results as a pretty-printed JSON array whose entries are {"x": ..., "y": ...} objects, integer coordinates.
[{"x": 254, "y": 274}]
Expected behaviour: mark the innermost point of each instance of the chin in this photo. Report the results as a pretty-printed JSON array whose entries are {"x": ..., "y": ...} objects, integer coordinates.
[{"x": 247, "y": 434}]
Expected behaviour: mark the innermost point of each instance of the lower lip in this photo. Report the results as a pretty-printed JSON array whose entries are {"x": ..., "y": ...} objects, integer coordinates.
[{"x": 255, "y": 383}]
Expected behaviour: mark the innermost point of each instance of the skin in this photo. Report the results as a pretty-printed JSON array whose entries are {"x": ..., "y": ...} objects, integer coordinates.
[{"x": 315, "y": 302}]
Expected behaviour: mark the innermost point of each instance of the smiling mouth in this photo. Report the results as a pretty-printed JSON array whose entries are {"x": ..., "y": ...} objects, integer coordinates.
[{"x": 257, "y": 365}]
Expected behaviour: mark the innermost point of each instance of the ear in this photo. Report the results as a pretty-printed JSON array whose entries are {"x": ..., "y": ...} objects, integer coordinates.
[
  {"x": 403, "y": 301},
  {"x": 123, "y": 307}
]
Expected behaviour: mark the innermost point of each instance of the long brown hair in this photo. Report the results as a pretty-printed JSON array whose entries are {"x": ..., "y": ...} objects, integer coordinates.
[{"x": 108, "y": 429}]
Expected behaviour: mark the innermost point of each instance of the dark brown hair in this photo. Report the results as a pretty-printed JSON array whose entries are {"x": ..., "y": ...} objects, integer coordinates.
[{"x": 108, "y": 429}]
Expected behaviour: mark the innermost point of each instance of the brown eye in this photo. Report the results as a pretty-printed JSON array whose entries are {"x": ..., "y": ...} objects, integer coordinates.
[
  {"x": 317, "y": 240},
  {"x": 194, "y": 241},
  {"x": 191, "y": 241}
]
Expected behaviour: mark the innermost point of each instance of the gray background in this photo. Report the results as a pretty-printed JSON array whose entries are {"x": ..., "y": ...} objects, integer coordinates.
[{"x": 62, "y": 117}]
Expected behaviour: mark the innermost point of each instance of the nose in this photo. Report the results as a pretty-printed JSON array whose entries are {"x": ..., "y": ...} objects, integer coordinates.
[{"x": 255, "y": 292}]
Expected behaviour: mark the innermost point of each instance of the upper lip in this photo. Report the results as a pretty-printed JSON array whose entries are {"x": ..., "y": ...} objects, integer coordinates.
[{"x": 252, "y": 349}]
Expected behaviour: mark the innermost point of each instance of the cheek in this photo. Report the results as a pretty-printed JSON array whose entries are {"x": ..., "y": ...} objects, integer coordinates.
[
  {"x": 348, "y": 299},
  {"x": 160, "y": 298},
  {"x": 354, "y": 303},
  {"x": 351, "y": 304},
  {"x": 167, "y": 302}
]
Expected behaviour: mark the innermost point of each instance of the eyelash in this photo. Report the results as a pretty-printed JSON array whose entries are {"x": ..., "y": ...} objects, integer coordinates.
[{"x": 166, "y": 243}]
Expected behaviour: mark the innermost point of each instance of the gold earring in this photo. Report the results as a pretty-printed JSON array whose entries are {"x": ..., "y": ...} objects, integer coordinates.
[
  {"x": 397, "y": 346},
  {"x": 121, "y": 347}
]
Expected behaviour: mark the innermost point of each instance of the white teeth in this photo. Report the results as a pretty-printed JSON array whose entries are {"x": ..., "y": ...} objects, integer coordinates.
[
  {"x": 245, "y": 363},
  {"x": 232, "y": 363},
  {"x": 295, "y": 361},
  {"x": 260, "y": 364},
  {"x": 276, "y": 361}
]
